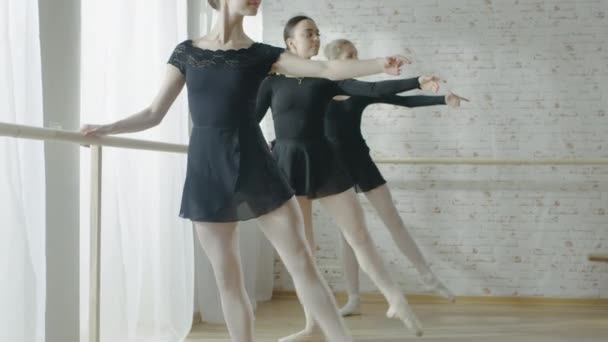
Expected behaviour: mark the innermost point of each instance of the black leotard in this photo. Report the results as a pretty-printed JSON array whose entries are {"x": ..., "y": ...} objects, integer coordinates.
[
  {"x": 343, "y": 129},
  {"x": 231, "y": 175}
]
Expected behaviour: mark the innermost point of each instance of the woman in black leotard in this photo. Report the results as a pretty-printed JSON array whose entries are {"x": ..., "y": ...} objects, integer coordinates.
[
  {"x": 343, "y": 129},
  {"x": 305, "y": 157},
  {"x": 231, "y": 175}
]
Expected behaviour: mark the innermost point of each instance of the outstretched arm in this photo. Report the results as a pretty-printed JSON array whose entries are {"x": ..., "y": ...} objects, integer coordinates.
[
  {"x": 377, "y": 89},
  {"x": 152, "y": 115},
  {"x": 451, "y": 100},
  {"x": 390, "y": 87},
  {"x": 410, "y": 101},
  {"x": 290, "y": 64}
]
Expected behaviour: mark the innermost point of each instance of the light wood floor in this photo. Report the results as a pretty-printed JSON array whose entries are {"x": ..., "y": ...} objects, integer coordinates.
[{"x": 442, "y": 322}]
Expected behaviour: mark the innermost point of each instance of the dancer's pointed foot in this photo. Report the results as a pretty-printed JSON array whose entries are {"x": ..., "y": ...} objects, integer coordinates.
[
  {"x": 352, "y": 307},
  {"x": 402, "y": 311},
  {"x": 433, "y": 283},
  {"x": 311, "y": 331}
]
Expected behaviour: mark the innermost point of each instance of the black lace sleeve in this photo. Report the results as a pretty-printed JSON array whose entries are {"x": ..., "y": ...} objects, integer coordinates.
[
  {"x": 271, "y": 54},
  {"x": 178, "y": 58}
]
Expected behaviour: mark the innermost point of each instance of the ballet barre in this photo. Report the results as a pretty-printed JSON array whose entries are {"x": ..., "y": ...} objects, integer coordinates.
[
  {"x": 491, "y": 162},
  {"x": 48, "y": 134},
  {"x": 51, "y": 134},
  {"x": 601, "y": 257}
]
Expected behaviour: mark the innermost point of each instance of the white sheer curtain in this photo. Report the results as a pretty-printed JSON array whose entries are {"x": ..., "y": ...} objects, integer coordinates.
[
  {"x": 146, "y": 254},
  {"x": 22, "y": 182},
  {"x": 257, "y": 254}
]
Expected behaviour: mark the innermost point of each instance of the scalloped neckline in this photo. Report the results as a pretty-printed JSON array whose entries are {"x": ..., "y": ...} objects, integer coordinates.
[{"x": 190, "y": 43}]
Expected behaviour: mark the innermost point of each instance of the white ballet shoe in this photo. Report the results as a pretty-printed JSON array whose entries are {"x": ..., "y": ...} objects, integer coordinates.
[
  {"x": 352, "y": 307},
  {"x": 403, "y": 312},
  {"x": 432, "y": 282},
  {"x": 312, "y": 331}
]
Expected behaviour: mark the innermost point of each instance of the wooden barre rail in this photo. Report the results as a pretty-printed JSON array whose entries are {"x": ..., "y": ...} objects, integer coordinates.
[
  {"x": 491, "y": 162},
  {"x": 38, "y": 133},
  {"x": 50, "y": 134},
  {"x": 601, "y": 257}
]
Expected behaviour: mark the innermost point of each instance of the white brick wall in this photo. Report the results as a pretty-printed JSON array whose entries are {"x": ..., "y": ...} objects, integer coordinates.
[{"x": 536, "y": 72}]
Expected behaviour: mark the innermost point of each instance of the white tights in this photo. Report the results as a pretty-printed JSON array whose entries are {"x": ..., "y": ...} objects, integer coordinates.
[
  {"x": 382, "y": 201},
  {"x": 348, "y": 214},
  {"x": 284, "y": 228}
]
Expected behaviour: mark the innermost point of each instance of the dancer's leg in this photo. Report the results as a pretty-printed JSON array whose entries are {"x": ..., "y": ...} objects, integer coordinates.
[
  {"x": 347, "y": 211},
  {"x": 284, "y": 228},
  {"x": 220, "y": 243},
  {"x": 382, "y": 201},
  {"x": 306, "y": 208},
  {"x": 311, "y": 329},
  {"x": 350, "y": 267}
]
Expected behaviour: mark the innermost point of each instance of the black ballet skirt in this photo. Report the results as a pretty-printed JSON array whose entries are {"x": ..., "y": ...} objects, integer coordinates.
[
  {"x": 359, "y": 165},
  {"x": 231, "y": 175},
  {"x": 311, "y": 167},
  {"x": 343, "y": 130}
]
